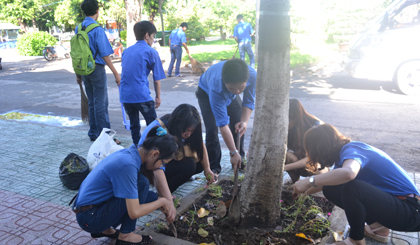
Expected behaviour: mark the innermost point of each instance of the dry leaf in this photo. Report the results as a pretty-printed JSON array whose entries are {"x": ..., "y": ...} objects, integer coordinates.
[
  {"x": 202, "y": 232},
  {"x": 301, "y": 235},
  {"x": 210, "y": 221},
  {"x": 228, "y": 203},
  {"x": 221, "y": 209},
  {"x": 207, "y": 243},
  {"x": 202, "y": 213},
  {"x": 338, "y": 236}
]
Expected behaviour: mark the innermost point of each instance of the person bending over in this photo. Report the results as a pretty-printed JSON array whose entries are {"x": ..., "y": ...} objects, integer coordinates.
[
  {"x": 367, "y": 183},
  {"x": 191, "y": 157},
  {"x": 300, "y": 121}
]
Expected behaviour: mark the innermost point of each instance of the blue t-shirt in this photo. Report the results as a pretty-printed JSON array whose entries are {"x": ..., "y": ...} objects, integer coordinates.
[
  {"x": 243, "y": 31},
  {"x": 178, "y": 37},
  {"x": 115, "y": 176},
  {"x": 220, "y": 97},
  {"x": 377, "y": 169},
  {"x": 137, "y": 62},
  {"x": 98, "y": 41}
]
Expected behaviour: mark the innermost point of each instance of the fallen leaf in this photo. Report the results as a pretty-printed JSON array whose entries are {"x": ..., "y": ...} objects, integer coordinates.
[
  {"x": 221, "y": 209},
  {"x": 210, "y": 221},
  {"x": 202, "y": 213},
  {"x": 228, "y": 203},
  {"x": 301, "y": 235},
  {"x": 338, "y": 236},
  {"x": 207, "y": 243},
  {"x": 202, "y": 232}
]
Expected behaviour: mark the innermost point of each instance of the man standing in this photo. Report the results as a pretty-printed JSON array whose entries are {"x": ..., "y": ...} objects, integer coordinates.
[
  {"x": 96, "y": 82},
  {"x": 242, "y": 34},
  {"x": 176, "y": 40},
  {"x": 221, "y": 107}
]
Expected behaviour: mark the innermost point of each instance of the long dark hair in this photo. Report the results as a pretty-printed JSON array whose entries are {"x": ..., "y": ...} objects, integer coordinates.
[
  {"x": 323, "y": 145},
  {"x": 303, "y": 121},
  {"x": 183, "y": 117},
  {"x": 166, "y": 145}
]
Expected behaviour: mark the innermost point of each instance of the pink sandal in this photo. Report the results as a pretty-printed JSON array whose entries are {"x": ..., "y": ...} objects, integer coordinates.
[{"x": 371, "y": 233}]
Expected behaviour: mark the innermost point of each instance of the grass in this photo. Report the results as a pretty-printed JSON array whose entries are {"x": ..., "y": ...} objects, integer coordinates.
[{"x": 209, "y": 51}]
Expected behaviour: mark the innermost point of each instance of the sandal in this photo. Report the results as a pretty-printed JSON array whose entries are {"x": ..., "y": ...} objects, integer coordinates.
[
  {"x": 168, "y": 75},
  {"x": 145, "y": 241},
  {"x": 98, "y": 235},
  {"x": 117, "y": 142},
  {"x": 371, "y": 234},
  {"x": 346, "y": 242},
  {"x": 180, "y": 75}
]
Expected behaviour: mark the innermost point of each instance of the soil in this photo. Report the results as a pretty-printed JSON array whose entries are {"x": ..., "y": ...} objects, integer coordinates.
[{"x": 222, "y": 233}]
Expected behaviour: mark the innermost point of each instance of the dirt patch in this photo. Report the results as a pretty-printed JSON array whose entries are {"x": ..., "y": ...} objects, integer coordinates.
[{"x": 306, "y": 216}]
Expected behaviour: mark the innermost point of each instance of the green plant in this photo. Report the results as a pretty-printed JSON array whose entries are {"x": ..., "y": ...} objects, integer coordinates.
[
  {"x": 215, "y": 191},
  {"x": 123, "y": 35},
  {"x": 190, "y": 223},
  {"x": 32, "y": 43},
  {"x": 162, "y": 226},
  {"x": 176, "y": 201}
]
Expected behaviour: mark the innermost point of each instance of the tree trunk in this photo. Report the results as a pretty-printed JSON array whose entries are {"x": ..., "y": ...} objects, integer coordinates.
[
  {"x": 261, "y": 191},
  {"x": 23, "y": 25},
  {"x": 133, "y": 10},
  {"x": 161, "y": 20},
  {"x": 222, "y": 34}
]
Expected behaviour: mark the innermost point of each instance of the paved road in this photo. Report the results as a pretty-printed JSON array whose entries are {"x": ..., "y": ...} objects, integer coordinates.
[{"x": 364, "y": 110}]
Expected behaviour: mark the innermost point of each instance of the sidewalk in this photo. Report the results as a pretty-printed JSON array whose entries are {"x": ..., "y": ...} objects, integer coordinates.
[{"x": 34, "y": 204}]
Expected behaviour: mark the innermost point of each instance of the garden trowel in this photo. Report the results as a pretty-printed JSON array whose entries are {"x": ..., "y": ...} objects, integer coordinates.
[{"x": 235, "y": 207}]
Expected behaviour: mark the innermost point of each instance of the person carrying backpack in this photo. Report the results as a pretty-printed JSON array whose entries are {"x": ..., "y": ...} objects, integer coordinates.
[{"x": 90, "y": 67}]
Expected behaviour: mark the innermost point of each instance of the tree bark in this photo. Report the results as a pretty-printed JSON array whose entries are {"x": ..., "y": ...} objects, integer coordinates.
[
  {"x": 133, "y": 10},
  {"x": 161, "y": 20},
  {"x": 261, "y": 190}
]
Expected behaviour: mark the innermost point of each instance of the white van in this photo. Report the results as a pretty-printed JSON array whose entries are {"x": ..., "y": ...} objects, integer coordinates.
[{"x": 389, "y": 48}]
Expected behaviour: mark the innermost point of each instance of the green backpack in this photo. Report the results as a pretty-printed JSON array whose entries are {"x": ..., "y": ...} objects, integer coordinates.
[{"x": 81, "y": 55}]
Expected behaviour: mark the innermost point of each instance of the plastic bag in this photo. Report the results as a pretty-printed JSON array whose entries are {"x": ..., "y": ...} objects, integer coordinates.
[
  {"x": 73, "y": 170},
  {"x": 103, "y": 146}
]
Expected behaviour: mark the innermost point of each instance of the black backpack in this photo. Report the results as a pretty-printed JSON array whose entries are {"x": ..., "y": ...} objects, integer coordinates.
[{"x": 73, "y": 170}]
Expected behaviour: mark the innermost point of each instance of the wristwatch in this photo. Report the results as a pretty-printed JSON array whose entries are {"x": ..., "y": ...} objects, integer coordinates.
[
  {"x": 233, "y": 153},
  {"x": 312, "y": 181}
]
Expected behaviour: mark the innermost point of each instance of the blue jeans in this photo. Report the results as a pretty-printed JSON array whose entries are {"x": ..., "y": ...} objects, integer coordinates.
[
  {"x": 113, "y": 212},
  {"x": 176, "y": 54},
  {"x": 97, "y": 93},
  {"x": 247, "y": 47},
  {"x": 148, "y": 111}
]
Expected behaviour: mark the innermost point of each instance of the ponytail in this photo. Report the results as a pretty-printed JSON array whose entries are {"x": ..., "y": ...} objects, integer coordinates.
[{"x": 159, "y": 139}]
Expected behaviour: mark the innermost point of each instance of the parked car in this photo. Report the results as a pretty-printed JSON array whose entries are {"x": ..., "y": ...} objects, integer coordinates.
[{"x": 389, "y": 48}]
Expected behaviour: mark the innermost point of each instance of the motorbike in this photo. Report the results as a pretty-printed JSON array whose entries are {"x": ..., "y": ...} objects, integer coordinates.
[
  {"x": 118, "y": 49},
  {"x": 53, "y": 52}
]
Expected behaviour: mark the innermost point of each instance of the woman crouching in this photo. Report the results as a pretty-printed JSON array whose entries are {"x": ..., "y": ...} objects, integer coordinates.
[
  {"x": 117, "y": 192},
  {"x": 365, "y": 182}
]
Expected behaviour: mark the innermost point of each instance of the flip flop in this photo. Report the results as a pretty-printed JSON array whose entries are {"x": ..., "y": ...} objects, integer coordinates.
[
  {"x": 145, "y": 241},
  {"x": 117, "y": 142},
  {"x": 371, "y": 233},
  {"x": 98, "y": 235}
]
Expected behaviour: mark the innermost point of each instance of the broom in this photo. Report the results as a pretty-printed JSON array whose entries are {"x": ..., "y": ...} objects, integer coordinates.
[
  {"x": 84, "y": 105},
  {"x": 233, "y": 57},
  {"x": 197, "y": 67}
]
